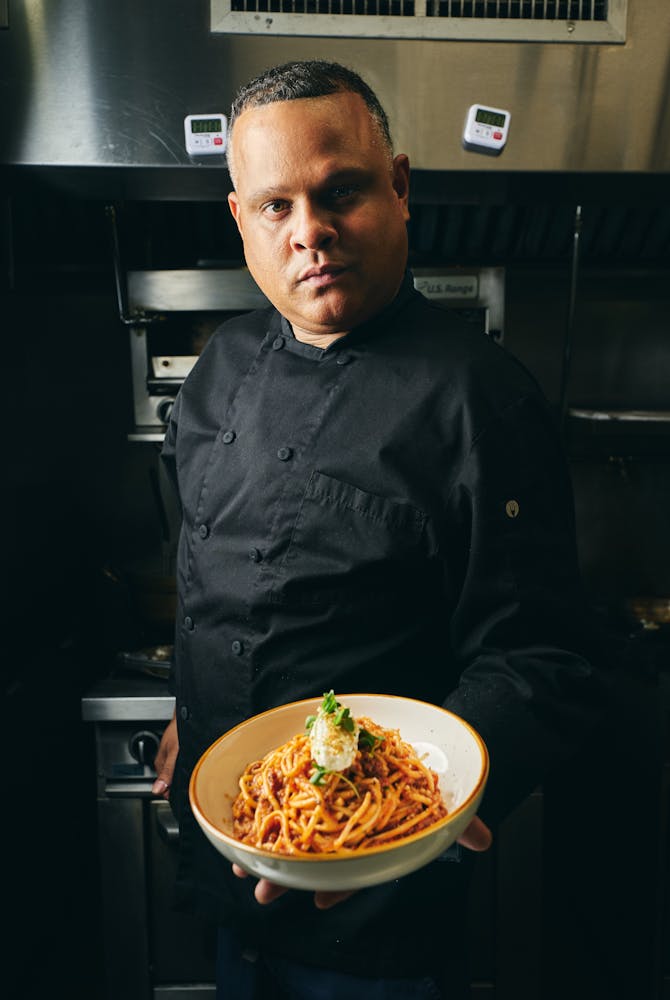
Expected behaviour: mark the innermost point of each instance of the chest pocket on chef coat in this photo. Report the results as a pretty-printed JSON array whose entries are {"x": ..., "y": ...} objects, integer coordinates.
[{"x": 347, "y": 544}]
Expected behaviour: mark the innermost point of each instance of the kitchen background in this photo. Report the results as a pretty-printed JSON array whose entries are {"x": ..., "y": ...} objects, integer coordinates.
[{"x": 575, "y": 213}]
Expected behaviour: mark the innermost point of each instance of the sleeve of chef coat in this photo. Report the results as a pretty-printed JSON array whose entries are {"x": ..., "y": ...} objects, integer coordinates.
[{"x": 530, "y": 682}]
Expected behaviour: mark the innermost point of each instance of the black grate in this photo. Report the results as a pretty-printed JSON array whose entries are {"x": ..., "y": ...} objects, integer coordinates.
[
  {"x": 634, "y": 235},
  {"x": 374, "y": 8},
  {"x": 522, "y": 10},
  {"x": 527, "y": 10}
]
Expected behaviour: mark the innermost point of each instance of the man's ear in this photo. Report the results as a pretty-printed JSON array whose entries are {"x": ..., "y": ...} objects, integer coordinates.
[
  {"x": 235, "y": 211},
  {"x": 400, "y": 182}
]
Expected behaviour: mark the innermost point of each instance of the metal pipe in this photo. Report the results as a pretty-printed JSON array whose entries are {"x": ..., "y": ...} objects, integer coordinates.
[
  {"x": 120, "y": 277},
  {"x": 570, "y": 323}
]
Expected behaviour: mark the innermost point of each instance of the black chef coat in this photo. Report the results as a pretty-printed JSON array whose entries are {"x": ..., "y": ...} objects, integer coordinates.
[{"x": 390, "y": 514}]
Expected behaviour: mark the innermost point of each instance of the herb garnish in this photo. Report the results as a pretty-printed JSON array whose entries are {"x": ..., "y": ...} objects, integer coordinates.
[
  {"x": 343, "y": 718},
  {"x": 331, "y": 706},
  {"x": 320, "y": 774},
  {"x": 330, "y": 703},
  {"x": 368, "y": 740}
]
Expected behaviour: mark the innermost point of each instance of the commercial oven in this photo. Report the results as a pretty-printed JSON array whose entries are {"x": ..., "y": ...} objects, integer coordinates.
[
  {"x": 171, "y": 313},
  {"x": 151, "y": 951}
]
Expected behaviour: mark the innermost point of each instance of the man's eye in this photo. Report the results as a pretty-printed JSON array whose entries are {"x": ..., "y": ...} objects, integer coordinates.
[
  {"x": 342, "y": 192},
  {"x": 275, "y": 208}
]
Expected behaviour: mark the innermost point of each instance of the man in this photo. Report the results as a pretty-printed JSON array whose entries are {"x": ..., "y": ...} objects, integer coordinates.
[{"x": 374, "y": 499}]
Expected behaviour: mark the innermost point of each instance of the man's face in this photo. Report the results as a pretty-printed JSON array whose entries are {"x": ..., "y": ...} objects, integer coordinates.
[{"x": 321, "y": 209}]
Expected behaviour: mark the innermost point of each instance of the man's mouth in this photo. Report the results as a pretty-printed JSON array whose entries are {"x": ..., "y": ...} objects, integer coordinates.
[{"x": 319, "y": 277}]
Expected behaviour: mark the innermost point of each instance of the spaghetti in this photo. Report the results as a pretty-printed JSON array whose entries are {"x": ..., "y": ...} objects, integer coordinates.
[{"x": 288, "y": 805}]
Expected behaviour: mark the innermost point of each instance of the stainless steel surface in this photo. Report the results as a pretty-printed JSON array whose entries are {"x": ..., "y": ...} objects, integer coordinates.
[
  {"x": 625, "y": 416},
  {"x": 128, "y": 699},
  {"x": 4, "y": 13},
  {"x": 476, "y": 288},
  {"x": 197, "y": 991},
  {"x": 166, "y": 822},
  {"x": 194, "y": 289},
  {"x": 89, "y": 83},
  {"x": 178, "y": 366},
  {"x": 145, "y": 294},
  {"x": 147, "y": 435}
]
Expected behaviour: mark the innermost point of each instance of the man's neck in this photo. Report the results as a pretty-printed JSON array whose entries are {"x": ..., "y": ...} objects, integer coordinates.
[{"x": 316, "y": 339}]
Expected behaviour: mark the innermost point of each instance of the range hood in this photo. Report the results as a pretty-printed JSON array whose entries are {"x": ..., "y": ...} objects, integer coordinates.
[{"x": 105, "y": 87}]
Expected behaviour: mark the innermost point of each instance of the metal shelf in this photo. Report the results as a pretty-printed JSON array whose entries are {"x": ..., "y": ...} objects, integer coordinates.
[
  {"x": 156, "y": 434},
  {"x": 622, "y": 416}
]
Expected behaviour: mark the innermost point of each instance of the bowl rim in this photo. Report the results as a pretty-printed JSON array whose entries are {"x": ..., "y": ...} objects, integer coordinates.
[{"x": 344, "y": 854}]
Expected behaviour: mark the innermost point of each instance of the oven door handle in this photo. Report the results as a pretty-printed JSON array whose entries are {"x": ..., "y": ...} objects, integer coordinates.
[
  {"x": 131, "y": 789},
  {"x": 166, "y": 823}
]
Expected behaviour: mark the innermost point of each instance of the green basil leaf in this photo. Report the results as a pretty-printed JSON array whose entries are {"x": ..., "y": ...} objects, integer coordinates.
[
  {"x": 319, "y": 775},
  {"x": 367, "y": 740},
  {"x": 330, "y": 703}
]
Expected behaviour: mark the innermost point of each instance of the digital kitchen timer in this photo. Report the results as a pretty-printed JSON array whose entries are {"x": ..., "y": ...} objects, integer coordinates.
[
  {"x": 486, "y": 129},
  {"x": 205, "y": 134}
]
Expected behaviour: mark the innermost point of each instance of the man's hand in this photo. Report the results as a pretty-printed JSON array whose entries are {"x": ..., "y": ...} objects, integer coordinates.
[
  {"x": 476, "y": 837},
  {"x": 166, "y": 756}
]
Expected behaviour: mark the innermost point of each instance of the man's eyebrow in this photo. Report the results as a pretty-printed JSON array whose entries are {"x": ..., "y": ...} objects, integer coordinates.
[
  {"x": 268, "y": 194},
  {"x": 345, "y": 174},
  {"x": 339, "y": 176}
]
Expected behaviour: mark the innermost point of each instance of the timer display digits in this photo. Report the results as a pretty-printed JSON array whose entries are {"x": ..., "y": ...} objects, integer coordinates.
[
  {"x": 485, "y": 117},
  {"x": 199, "y": 125}
]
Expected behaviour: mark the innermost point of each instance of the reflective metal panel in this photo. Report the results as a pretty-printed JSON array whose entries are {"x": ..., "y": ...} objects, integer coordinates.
[
  {"x": 196, "y": 290},
  {"x": 91, "y": 83}
]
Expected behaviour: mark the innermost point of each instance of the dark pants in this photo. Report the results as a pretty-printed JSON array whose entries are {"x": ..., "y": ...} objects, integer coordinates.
[{"x": 245, "y": 974}]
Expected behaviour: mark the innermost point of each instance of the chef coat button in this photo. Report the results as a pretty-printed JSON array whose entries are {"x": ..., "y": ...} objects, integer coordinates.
[
  {"x": 189, "y": 624},
  {"x": 278, "y": 343},
  {"x": 255, "y": 555},
  {"x": 228, "y": 437},
  {"x": 237, "y": 647},
  {"x": 283, "y": 454},
  {"x": 203, "y": 531},
  {"x": 183, "y": 712},
  {"x": 344, "y": 359}
]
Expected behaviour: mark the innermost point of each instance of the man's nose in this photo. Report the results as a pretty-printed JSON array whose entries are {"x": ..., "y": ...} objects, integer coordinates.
[{"x": 313, "y": 227}]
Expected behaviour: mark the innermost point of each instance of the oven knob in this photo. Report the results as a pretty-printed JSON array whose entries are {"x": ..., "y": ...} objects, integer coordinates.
[
  {"x": 143, "y": 747},
  {"x": 164, "y": 409}
]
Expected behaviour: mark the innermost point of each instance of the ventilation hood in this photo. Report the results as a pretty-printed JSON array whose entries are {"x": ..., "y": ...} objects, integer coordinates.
[{"x": 100, "y": 90}]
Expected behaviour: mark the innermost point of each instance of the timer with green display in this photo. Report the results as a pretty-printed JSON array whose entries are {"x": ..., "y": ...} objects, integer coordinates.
[
  {"x": 205, "y": 134},
  {"x": 486, "y": 129}
]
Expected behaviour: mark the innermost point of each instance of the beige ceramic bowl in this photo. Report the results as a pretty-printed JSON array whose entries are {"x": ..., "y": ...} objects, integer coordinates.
[{"x": 454, "y": 750}]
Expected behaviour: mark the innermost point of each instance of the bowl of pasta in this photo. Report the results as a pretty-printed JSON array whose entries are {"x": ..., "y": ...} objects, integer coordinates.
[{"x": 341, "y": 792}]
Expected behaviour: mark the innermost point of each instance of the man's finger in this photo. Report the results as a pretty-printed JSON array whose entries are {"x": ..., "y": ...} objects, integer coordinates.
[
  {"x": 266, "y": 892},
  {"x": 476, "y": 836},
  {"x": 324, "y": 900}
]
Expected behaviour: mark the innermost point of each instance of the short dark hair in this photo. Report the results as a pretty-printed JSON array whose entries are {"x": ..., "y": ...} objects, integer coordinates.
[{"x": 310, "y": 78}]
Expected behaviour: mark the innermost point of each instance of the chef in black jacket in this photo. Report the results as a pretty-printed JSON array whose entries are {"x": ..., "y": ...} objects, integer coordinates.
[{"x": 374, "y": 499}]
